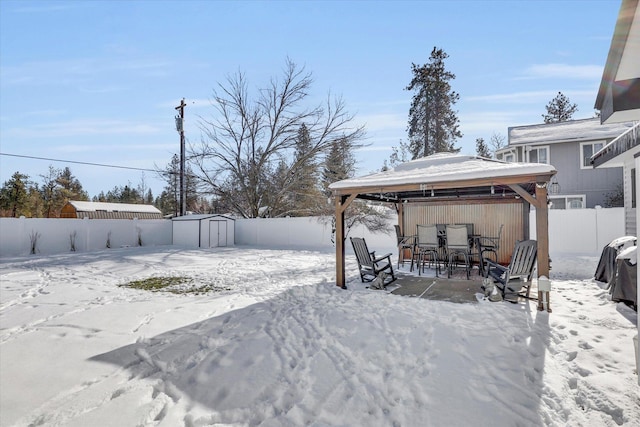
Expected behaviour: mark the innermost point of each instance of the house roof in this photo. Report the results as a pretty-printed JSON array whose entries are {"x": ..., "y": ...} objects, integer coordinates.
[
  {"x": 81, "y": 206},
  {"x": 444, "y": 172},
  {"x": 622, "y": 149},
  {"x": 568, "y": 131},
  {"x": 618, "y": 97}
]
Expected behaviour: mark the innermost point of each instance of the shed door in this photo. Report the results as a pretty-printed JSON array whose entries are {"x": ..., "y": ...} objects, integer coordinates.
[{"x": 217, "y": 233}]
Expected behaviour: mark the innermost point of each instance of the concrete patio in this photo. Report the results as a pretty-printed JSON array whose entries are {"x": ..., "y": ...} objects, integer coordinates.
[{"x": 456, "y": 289}]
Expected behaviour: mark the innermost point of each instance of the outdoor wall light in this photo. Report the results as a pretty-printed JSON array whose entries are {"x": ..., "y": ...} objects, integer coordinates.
[{"x": 554, "y": 187}]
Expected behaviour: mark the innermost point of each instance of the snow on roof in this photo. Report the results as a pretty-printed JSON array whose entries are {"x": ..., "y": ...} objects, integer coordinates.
[
  {"x": 199, "y": 217},
  {"x": 571, "y": 130},
  {"x": 444, "y": 167},
  {"x": 112, "y": 207}
]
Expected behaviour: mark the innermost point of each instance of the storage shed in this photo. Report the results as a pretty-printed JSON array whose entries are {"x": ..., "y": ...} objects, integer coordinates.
[
  {"x": 204, "y": 231},
  {"x": 102, "y": 210}
]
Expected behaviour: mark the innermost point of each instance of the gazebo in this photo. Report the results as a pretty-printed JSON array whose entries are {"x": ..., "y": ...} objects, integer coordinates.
[{"x": 451, "y": 187}]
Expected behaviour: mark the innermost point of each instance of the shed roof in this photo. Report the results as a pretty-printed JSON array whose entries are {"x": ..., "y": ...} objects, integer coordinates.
[
  {"x": 82, "y": 206},
  {"x": 200, "y": 217},
  {"x": 568, "y": 131}
]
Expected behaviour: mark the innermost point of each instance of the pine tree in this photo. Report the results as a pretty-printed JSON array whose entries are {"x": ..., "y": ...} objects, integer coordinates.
[
  {"x": 481, "y": 148},
  {"x": 433, "y": 124},
  {"x": 14, "y": 195},
  {"x": 339, "y": 164},
  {"x": 70, "y": 187},
  {"x": 304, "y": 188},
  {"x": 49, "y": 192},
  {"x": 559, "y": 109}
]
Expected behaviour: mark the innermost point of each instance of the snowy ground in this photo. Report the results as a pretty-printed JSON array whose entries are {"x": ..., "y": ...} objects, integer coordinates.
[{"x": 280, "y": 345}]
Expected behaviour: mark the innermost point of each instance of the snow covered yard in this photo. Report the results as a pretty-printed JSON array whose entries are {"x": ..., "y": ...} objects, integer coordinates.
[{"x": 279, "y": 345}]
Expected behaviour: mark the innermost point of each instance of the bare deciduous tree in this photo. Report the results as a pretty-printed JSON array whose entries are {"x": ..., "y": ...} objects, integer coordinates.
[{"x": 250, "y": 143}]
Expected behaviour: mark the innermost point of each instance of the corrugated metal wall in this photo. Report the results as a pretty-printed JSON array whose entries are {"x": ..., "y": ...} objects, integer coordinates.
[
  {"x": 111, "y": 215},
  {"x": 486, "y": 219}
]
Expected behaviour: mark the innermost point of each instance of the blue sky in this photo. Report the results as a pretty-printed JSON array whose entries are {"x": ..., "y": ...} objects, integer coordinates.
[{"x": 97, "y": 81}]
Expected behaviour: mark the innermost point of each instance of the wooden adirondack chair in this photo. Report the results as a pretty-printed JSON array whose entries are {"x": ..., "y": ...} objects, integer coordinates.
[
  {"x": 523, "y": 261},
  {"x": 371, "y": 266}
]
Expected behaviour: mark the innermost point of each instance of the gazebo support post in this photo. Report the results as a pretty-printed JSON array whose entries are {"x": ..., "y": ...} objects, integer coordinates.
[
  {"x": 342, "y": 203},
  {"x": 542, "y": 233}
]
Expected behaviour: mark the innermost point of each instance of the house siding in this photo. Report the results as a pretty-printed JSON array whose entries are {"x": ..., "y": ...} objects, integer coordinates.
[
  {"x": 629, "y": 211},
  {"x": 595, "y": 184}
]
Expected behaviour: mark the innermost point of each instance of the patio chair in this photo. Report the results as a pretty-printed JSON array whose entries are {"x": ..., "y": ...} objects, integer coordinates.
[
  {"x": 404, "y": 243},
  {"x": 520, "y": 268},
  {"x": 370, "y": 266},
  {"x": 427, "y": 245},
  {"x": 489, "y": 245},
  {"x": 458, "y": 244}
]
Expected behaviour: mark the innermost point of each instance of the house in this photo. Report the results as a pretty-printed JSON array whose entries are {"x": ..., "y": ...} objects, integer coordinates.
[
  {"x": 568, "y": 146},
  {"x": 619, "y": 99},
  {"x": 102, "y": 210}
]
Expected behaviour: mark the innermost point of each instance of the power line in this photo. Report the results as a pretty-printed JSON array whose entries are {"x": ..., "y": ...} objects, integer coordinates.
[{"x": 82, "y": 163}]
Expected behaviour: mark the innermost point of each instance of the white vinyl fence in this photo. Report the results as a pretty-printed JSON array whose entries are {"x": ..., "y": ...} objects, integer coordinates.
[
  {"x": 22, "y": 236},
  {"x": 576, "y": 231}
]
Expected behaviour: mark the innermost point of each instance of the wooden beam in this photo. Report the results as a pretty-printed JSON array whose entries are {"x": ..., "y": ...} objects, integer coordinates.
[
  {"x": 345, "y": 202},
  {"x": 523, "y": 193},
  {"x": 542, "y": 233},
  {"x": 341, "y": 204}
]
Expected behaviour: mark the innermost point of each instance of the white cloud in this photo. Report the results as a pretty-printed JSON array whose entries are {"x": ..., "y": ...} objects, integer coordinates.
[
  {"x": 382, "y": 121},
  {"x": 562, "y": 71},
  {"x": 513, "y": 98},
  {"x": 83, "y": 127}
]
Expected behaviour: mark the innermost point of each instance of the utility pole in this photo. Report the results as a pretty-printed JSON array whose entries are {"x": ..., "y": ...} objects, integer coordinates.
[{"x": 183, "y": 182}]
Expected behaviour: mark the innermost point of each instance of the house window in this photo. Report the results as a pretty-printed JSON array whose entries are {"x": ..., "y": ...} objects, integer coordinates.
[
  {"x": 587, "y": 150},
  {"x": 568, "y": 202},
  {"x": 509, "y": 158},
  {"x": 538, "y": 155}
]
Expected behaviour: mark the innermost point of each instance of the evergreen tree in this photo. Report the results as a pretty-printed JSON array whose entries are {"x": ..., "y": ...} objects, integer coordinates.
[
  {"x": 559, "y": 109},
  {"x": 35, "y": 204},
  {"x": 304, "y": 188},
  {"x": 339, "y": 164},
  {"x": 14, "y": 195},
  {"x": 148, "y": 199},
  {"x": 70, "y": 187},
  {"x": 433, "y": 124},
  {"x": 50, "y": 194},
  {"x": 169, "y": 200},
  {"x": 481, "y": 148}
]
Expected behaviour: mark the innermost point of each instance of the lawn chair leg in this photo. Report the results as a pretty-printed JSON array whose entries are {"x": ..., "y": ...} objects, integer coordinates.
[{"x": 543, "y": 300}]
